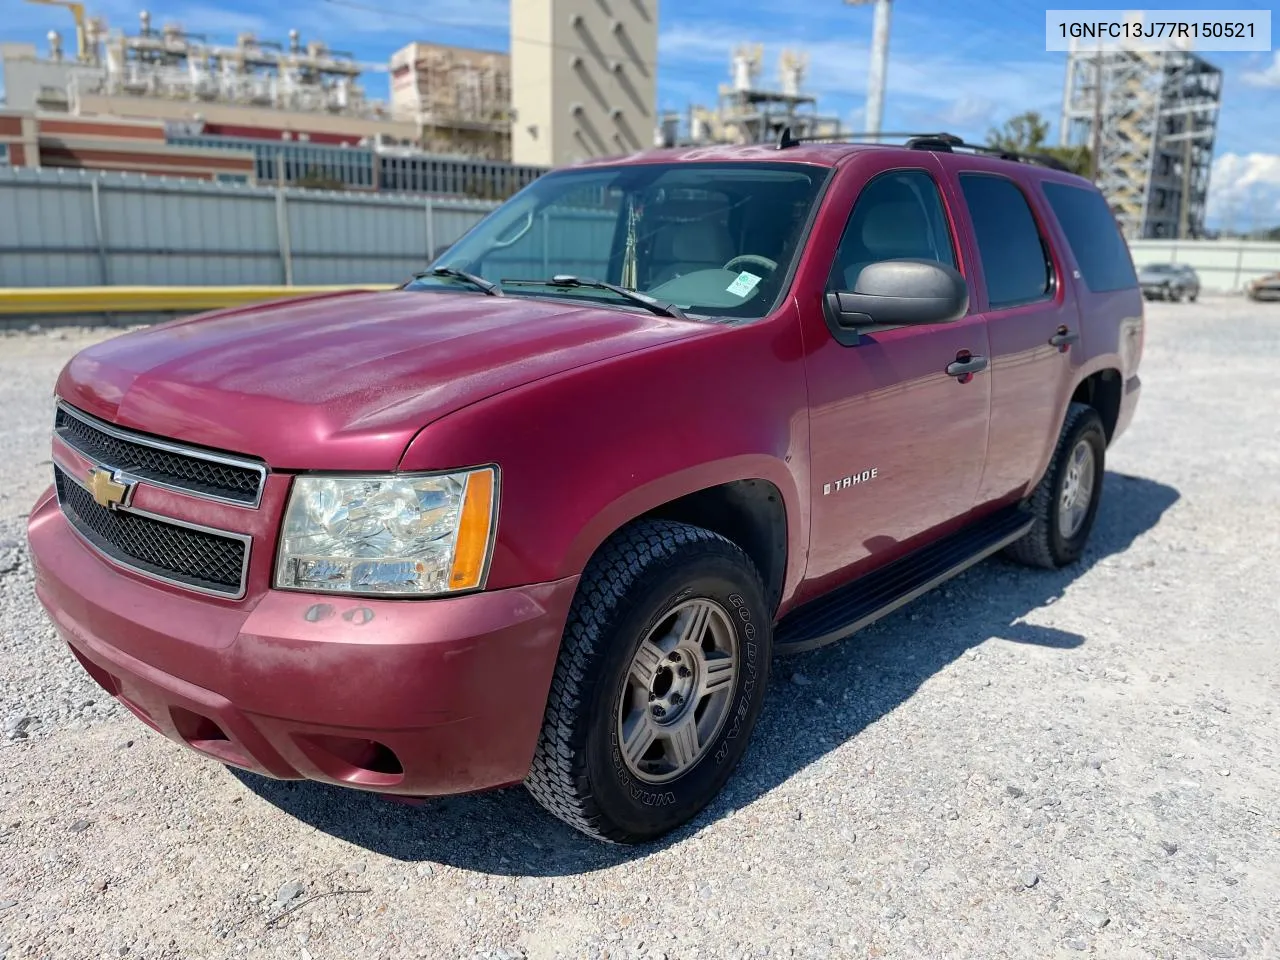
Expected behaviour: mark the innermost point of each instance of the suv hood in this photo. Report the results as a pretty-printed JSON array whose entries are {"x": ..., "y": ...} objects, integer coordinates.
[{"x": 342, "y": 381}]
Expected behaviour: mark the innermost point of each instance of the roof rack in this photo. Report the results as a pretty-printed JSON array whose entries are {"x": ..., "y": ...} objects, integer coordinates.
[{"x": 939, "y": 142}]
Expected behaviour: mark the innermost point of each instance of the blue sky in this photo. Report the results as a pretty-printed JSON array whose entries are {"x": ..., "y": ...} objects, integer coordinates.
[{"x": 959, "y": 67}]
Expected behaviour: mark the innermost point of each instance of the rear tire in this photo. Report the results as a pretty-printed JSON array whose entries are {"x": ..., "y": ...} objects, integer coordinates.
[
  {"x": 1063, "y": 520},
  {"x": 660, "y": 679}
]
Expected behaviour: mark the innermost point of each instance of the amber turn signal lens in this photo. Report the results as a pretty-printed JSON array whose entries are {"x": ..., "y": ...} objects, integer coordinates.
[{"x": 474, "y": 530}]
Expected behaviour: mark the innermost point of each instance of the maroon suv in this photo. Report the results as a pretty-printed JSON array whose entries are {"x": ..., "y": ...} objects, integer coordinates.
[{"x": 545, "y": 513}]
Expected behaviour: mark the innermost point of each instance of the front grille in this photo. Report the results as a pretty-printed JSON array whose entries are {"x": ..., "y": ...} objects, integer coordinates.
[
  {"x": 209, "y": 475},
  {"x": 200, "y": 559}
]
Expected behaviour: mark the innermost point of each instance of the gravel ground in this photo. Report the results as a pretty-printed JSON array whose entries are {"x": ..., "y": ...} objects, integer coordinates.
[{"x": 1025, "y": 764}]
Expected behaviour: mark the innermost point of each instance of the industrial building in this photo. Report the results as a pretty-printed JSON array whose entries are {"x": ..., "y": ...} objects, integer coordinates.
[
  {"x": 580, "y": 82},
  {"x": 1151, "y": 119},
  {"x": 584, "y": 78},
  {"x": 749, "y": 112},
  {"x": 458, "y": 99},
  {"x": 18, "y": 144},
  {"x": 296, "y": 111},
  {"x": 108, "y": 143},
  {"x": 168, "y": 73}
]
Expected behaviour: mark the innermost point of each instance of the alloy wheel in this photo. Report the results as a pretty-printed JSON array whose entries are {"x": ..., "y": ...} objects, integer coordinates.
[
  {"x": 677, "y": 691},
  {"x": 1077, "y": 490}
]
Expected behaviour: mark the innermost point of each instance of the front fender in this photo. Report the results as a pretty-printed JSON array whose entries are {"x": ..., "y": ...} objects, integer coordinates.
[
  {"x": 583, "y": 452},
  {"x": 637, "y": 501}
]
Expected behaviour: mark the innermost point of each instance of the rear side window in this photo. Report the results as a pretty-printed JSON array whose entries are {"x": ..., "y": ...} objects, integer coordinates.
[
  {"x": 1014, "y": 256},
  {"x": 1094, "y": 237}
]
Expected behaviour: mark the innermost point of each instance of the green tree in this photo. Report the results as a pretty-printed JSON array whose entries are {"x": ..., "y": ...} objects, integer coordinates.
[{"x": 1028, "y": 133}]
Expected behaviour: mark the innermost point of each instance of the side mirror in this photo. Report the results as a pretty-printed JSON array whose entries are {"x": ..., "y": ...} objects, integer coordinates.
[{"x": 901, "y": 292}]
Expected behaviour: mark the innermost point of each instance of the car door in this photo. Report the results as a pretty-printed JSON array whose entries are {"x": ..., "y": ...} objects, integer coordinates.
[
  {"x": 1032, "y": 322},
  {"x": 897, "y": 442}
]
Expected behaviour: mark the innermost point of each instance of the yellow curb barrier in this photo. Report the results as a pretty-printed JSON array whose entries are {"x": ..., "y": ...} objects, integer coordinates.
[{"x": 30, "y": 301}]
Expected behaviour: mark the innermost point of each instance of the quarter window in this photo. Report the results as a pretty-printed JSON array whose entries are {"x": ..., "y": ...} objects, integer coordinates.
[
  {"x": 1094, "y": 237},
  {"x": 1014, "y": 256},
  {"x": 898, "y": 215}
]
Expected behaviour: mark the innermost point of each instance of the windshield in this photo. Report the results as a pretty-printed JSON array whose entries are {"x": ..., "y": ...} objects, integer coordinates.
[
  {"x": 716, "y": 239},
  {"x": 1159, "y": 268}
]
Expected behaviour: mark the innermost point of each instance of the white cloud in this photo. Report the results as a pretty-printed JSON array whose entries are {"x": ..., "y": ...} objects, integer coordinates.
[
  {"x": 968, "y": 111},
  {"x": 1245, "y": 189},
  {"x": 1266, "y": 77},
  {"x": 923, "y": 91}
]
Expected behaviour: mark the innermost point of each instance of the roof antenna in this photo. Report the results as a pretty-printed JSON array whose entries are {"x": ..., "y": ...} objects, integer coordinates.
[{"x": 785, "y": 139}]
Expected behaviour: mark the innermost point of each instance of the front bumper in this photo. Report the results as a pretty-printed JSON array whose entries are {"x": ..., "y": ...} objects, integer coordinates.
[{"x": 415, "y": 697}]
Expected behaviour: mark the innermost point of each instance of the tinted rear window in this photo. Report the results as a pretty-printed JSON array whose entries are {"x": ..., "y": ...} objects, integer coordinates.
[
  {"x": 1094, "y": 237},
  {"x": 1013, "y": 256}
]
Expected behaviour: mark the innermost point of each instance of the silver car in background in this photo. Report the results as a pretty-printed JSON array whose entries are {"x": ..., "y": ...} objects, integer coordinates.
[
  {"x": 1265, "y": 288},
  {"x": 1169, "y": 281}
]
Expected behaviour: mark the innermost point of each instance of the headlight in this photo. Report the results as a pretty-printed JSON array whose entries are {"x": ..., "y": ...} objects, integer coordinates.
[{"x": 402, "y": 534}]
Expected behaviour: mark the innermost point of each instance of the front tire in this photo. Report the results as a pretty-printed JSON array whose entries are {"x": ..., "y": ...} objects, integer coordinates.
[
  {"x": 660, "y": 679},
  {"x": 1065, "y": 502}
]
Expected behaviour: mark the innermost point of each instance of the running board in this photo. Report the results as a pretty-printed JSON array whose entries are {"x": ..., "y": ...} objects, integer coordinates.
[{"x": 880, "y": 592}]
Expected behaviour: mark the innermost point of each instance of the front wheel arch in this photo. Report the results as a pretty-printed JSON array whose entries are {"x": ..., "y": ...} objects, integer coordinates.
[
  {"x": 748, "y": 513},
  {"x": 752, "y": 501}
]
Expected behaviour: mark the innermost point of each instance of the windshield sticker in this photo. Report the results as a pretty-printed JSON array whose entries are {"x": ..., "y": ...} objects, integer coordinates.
[{"x": 743, "y": 284}]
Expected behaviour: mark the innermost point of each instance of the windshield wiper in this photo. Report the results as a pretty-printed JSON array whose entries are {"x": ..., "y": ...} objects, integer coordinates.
[
  {"x": 660, "y": 307},
  {"x": 488, "y": 286}
]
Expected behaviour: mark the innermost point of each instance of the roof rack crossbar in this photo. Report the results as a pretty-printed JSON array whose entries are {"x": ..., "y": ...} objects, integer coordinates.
[{"x": 938, "y": 142}]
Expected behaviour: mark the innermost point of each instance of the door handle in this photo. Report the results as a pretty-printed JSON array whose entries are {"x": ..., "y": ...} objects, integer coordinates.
[
  {"x": 1063, "y": 339},
  {"x": 967, "y": 367}
]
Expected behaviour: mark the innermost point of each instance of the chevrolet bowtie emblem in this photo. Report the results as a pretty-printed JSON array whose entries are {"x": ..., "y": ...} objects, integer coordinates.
[{"x": 106, "y": 489}]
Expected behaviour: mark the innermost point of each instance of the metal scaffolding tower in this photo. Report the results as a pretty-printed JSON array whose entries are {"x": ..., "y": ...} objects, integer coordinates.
[{"x": 1150, "y": 118}]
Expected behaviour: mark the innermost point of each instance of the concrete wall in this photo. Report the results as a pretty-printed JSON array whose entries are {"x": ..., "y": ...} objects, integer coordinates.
[
  {"x": 1223, "y": 265},
  {"x": 583, "y": 78},
  {"x": 84, "y": 229}
]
